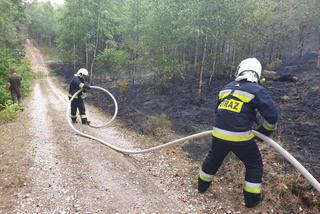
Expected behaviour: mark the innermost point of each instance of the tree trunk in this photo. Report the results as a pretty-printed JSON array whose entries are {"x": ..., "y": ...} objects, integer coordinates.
[
  {"x": 271, "y": 51},
  {"x": 301, "y": 40},
  {"x": 184, "y": 51},
  {"x": 214, "y": 62},
  {"x": 318, "y": 61},
  {"x": 95, "y": 49},
  {"x": 233, "y": 56},
  {"x": 195, "y": 64},
  {"x": 223, "y": 46},
  {"x": 50, "y": 41},
  {"x": 213, "y": 71},
  {"x": 134, "y": 73},
  {"x": 202, "y": 67},
  {"x": 133, "y": 67},
  {"x": 176, "y": 50},
  {"x": 163, "y": 53},
  {"x": 230, "y": 51},
  {"x": 87, "y": 54},
  {"x": 74, "y": 54}
]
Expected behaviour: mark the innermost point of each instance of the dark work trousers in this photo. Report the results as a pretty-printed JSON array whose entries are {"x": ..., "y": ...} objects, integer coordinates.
[
  {"x": 16, "y": 97},
  {"x": 78, "y": 103},
  {"x": 247, "y": 152}
]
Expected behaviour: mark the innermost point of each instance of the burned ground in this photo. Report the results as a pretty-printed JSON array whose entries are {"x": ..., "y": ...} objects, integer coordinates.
[
  {"x": 298, "y": 130},
  {"x": 298, "y": 104}
]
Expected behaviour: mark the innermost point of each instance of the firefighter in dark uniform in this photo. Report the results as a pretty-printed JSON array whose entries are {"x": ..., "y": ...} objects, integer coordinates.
[
  {"x": 78, "y": 82},
  {"x": 13, "y": 86},
  {"x": 236, "y": 111}
]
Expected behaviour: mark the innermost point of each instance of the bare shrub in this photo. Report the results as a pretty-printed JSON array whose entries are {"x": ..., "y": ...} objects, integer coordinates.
[{"x": 156, "y": 124}]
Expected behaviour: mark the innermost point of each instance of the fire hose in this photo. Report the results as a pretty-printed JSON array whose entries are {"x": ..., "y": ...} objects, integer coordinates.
[{"x": 266, "y": 139}]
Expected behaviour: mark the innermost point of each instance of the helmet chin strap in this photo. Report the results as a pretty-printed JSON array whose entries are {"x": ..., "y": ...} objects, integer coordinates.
[{"x": 250, "y": 76}]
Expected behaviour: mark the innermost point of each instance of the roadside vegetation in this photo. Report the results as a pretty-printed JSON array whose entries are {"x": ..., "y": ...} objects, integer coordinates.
[{"x": 12, "y": 55}]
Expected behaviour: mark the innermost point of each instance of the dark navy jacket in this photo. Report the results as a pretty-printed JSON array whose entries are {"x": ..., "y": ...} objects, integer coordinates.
[
  {"x": 237, "y": 106},
  {"x": 76, "y": 84}
]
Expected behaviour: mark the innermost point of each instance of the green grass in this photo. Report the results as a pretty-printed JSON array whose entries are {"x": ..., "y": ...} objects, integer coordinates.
[{"x": 9, "y": 111}]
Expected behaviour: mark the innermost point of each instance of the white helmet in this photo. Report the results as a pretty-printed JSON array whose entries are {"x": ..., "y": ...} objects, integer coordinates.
[
  {"x": 249, "y": 69},
  {"x": 82, "y": 71}
]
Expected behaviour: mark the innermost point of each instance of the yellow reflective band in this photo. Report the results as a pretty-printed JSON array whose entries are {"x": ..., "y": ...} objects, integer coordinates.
[
  {"x": 70, "y": 95},
  {"x": 222, "y": 96},
  {"x": 255, "y": 190},
  {"x": 232, "y": 136},
  {"x": 81, "y": 85},
  {"x": 268, "y": 126},
  {"x": 83, "y": 116},
  {"x": 241, "y": 95},
  {"x": 231, "y": 105},
  {"x": 202, "y": 177},
  {"x": 242, "y": 98},
  {"x": 224, "y": 93},
  {"x": 73, "y": 116}
]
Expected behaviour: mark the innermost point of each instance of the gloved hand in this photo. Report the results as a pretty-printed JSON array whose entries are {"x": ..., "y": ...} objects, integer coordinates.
[
  {"x": 87, "y": 87},
  {"x": 262, "y": 130}
]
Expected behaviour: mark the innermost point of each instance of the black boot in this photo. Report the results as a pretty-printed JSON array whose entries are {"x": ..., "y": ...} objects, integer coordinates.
[
  {"x": 74, "y": 120},
  {"x": 203, "y": 185},
  {"x": 251, "y": 199},
  {"x": 84, "y": 121}
]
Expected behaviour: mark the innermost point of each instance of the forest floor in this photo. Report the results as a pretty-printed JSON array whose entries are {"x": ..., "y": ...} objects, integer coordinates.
[{"x": 298, "y": 104}]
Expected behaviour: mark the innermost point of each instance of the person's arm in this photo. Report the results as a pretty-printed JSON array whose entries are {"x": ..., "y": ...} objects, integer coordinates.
[
  {"x": 81, "y": 84},
  {"x": 268, "y": 111},
  {"x": 217, "y": 105},
  {"x": 19, "y": 82},
  {"x": 8, "y": 86}
]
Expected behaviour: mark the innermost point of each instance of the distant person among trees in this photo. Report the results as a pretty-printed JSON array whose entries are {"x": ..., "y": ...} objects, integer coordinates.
[
  {"x": 13, "y": 86},
  {"x": 77, "y": 83},
  {"x": 234, "y": 118}
]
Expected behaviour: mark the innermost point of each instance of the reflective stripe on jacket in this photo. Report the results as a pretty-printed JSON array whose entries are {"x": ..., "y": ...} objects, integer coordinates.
[
  {"x": 236, "y": 111},
  {"x": 232, "y": 136}
]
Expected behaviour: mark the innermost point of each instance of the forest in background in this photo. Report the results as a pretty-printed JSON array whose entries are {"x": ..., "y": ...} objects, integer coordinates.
[{"x": 170, "y": 37}]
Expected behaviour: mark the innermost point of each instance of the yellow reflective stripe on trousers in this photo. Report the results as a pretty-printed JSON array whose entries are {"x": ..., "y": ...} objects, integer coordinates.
[
  {"x": 252, "y": 187},
  {"x": 205, "y": 177},
  {"x": 268, "y": 126},
  {"x": 83, "y": 116},
  {"x": 232, "y": 136}
]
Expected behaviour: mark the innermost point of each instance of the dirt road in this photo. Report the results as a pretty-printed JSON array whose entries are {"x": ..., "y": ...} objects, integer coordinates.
[{"x": 46, "y": 168}]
